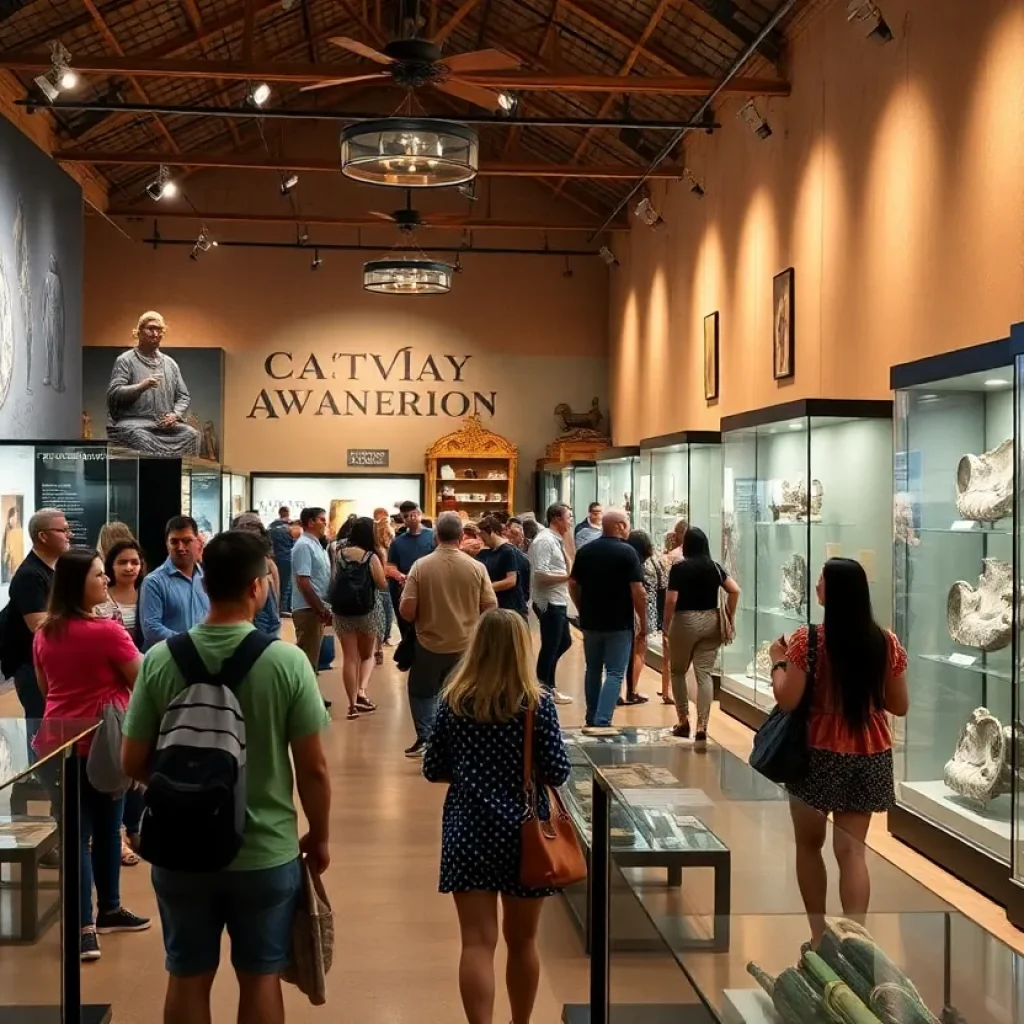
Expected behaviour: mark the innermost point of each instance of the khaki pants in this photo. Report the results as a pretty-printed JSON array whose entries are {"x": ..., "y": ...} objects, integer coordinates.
[
  {"x": 695, "y": 637},
  {"x": 309, "y": 632}
]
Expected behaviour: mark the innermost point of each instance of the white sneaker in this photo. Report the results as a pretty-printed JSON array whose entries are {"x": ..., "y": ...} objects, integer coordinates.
[{"x": 560, "y": 698}]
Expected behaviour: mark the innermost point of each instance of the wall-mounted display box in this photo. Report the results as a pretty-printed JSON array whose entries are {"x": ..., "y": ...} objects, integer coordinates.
[
  {"x": 680, "y": 479},
  {"x": 617, "y": 478},
  {"x": 957, "y": 599},
  {"x": 571, "y": 483},
  {"x": 802, "y": 482}
]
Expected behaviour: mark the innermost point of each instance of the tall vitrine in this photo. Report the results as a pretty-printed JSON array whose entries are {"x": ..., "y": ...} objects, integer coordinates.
[
  {"x": 571, "y": 483},
  {"x": 617, "y": 478}
]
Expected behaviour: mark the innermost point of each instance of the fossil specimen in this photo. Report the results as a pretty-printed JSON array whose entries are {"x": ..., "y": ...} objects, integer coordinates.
[
  {"x": 53, "y": 326},
  {"x": 679, "y": 508},
  {"x": 6, "y": 334},
  {"x": 979, "y": 768},
  {"x": 796, "y": 504},
  {"x": 984, "y": 484},
  {"x": 903, "y": 519},
  {"x": 24, "y": 286},
  {"x": 761, "y": 666},
  {"x": 794, "y": 583},
  {"x": 982, "y": 617}
]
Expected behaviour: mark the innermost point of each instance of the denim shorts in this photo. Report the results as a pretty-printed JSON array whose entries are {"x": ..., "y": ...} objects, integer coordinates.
[{"x": 256, "y": 907}]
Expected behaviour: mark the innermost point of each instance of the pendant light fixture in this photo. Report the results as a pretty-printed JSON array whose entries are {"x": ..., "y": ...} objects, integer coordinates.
[
  {"x": 410, "y": 152},
  {"x": 407, "y": 275}
]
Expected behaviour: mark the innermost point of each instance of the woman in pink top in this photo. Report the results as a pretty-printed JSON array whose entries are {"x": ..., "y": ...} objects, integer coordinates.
[{"x": 84, "y": 662}]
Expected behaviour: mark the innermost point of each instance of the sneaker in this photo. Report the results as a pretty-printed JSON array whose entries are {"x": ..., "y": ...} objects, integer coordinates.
[
  {"x": 700, "y": 741},
  {"x": 681, "y": 731},
  {"x": 416, "y": 750},
  {"x": 560, "y": 698},
  {"x": 120, "y": 920},
  {"x": 89, "y": 948}
]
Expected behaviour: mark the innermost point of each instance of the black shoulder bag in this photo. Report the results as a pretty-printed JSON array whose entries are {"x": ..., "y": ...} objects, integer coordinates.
[{"x": 780, "y": 751}]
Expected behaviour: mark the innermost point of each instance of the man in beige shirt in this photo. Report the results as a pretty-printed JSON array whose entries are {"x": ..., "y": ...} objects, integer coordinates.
[{"x": 445, "y": 594}]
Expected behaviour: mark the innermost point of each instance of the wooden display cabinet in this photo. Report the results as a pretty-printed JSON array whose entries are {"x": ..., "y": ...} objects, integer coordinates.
[{"x": 484, "y": 465}]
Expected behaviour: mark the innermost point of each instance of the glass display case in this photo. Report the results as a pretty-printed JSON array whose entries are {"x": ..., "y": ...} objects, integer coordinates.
[
  {"x": 802, "y": 482},
  {"x": 680, "y": 480},
  {"x": 571, "y": 483},
  {"x": 957, "y": 592},
  {"x": 617, "y": 479},
  {"x": 234, "y": 494}
]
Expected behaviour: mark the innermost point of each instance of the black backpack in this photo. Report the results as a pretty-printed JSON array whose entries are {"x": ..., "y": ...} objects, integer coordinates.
[
  {"x": 194, "y": 817},
  {"x": 353, "y": 591}
]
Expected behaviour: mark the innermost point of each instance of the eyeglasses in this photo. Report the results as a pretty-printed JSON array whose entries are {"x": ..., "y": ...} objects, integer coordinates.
[{"x": 57, "y": 529}]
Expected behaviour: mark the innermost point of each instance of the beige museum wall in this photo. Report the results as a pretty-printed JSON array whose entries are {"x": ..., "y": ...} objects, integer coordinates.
[
  {"x": 892, "y": 184},
  {"x": 534, "y": 336}
]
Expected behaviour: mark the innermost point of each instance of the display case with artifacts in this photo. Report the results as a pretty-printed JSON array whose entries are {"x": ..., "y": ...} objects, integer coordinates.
[
  {"x": 801, "y": 483},
  {"x": 617, "y": 471},
  {"x": 680, "y": 481},
  {"x": 471, "y": 470},
  {"x": 958, "y": 592},
  {"x": 571, "y": 483}
]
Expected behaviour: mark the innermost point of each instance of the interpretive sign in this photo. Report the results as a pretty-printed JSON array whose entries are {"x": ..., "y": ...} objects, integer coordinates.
[{"x": 375, "y": 458}]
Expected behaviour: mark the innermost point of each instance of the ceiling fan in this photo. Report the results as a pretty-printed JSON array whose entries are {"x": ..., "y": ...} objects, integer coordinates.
[
  {"x": 411, "y": 61},
  {"x": 408, "y": 220}
]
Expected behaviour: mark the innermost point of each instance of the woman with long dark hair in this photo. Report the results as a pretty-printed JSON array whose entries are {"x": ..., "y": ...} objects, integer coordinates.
[
  {"x": 83, "y": 663},
  {"x": 859, "y": 675},
  {"x": 693, "y": 628}
]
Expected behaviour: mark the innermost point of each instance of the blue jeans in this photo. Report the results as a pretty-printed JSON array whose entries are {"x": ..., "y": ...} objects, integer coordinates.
[
  {"x": 607, "y": 657},
  {"x": 101, "y": 822},
  {"x": 284, "y": 569},
  {"x": 256, "y": 907},
  {"x": 424, "y": 713},
  {"x": 555, "y": 640}
]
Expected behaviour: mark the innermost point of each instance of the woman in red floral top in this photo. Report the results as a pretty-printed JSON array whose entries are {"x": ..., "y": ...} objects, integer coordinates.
[{"x": 859, "y": 676}]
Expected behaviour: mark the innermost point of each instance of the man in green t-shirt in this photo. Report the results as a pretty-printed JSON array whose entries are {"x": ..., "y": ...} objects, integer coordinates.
[{"x": 255, "y": 898}]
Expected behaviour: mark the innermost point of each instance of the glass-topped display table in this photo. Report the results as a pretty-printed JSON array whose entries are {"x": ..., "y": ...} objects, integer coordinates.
[
  {"x": 954, "y": 964},
  {"x": 40, "y": 872},
  {"x": 802, "y": 482}
]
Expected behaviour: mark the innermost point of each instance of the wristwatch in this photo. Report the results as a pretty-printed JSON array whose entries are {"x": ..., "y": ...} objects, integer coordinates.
[{"x": 780, "y": 664}]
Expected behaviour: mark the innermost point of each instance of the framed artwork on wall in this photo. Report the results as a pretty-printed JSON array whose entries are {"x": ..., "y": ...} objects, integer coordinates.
[
  {"x": 783, "y": 324},
  {"x": 711, "y": 357}
]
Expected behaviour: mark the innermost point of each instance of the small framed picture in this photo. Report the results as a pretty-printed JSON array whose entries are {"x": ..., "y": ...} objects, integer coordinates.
[
  {"x": 783, "y": 324},
  {"x": 711, "y": 357}
]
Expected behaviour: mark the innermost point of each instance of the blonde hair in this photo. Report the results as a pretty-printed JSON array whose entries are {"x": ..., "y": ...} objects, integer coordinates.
[
  {"x": 110, "y": 534},
  {"x": 383, "y": 534},
  {"x": 495, "y": 679},
  {"x": 153, "y": 316}
]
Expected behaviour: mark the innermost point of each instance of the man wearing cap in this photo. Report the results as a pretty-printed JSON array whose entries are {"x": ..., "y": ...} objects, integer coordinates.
[{"x": 147, "y": 399}]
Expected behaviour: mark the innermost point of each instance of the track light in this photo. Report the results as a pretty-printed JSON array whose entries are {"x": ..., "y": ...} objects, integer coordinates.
[
  {"x": 648, "y": 214},
  {"x": 695, "y": 186},
  {"x": 317, "y": 261},
  {"x": 204, "y": 243},
  {"x": 749, "y": 114},
  {"x": 302, "y": 235},
  {"x": 607, "y": 256},
  {"x": 258, "y": 94},
  {"x": 61, "y": 77},
  {"x": 162, "y": 186},
  {"x": 507, "y": 102},
  {"x": 867, "y": 12},
  {"x": 288, "y": 181}
]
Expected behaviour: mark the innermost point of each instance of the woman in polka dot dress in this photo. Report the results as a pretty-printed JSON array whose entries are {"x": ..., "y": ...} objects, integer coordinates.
[{"x": 477, "y": 747}]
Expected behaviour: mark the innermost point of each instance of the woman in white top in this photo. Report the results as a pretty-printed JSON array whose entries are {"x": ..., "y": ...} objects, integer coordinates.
[{"x": 124, "y": 567}]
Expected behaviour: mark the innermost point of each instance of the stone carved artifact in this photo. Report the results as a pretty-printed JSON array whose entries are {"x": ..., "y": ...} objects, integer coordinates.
[
  {"x": 796, "y": 505},
  {"x": 982, "y": 617},
  {"x": 984, "y": 484},
  {"x": 761, "y": 666},
  {"x": 794, "y": 583},
  {"x": 980, "y": 768}
]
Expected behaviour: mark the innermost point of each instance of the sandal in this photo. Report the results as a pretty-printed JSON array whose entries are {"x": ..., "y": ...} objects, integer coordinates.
[
  {"x": 666, "y": 699},
  {"x": 378, "y": 657},
  {"x": 353, "y": 712},
  {"x": 129, "y": 858},
  {"x": 637, "y": 698},
  {"x": 364, "y": 704}
]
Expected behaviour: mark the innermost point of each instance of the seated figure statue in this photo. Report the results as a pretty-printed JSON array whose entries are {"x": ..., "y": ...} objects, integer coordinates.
[{"x": 147, "y": 399}]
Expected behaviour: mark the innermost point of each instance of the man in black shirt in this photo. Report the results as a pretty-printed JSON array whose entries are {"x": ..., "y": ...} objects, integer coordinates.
[
  {"x": 502, "y": 565},
  {"x": 607, "y": 587},
  {"x": 29, "y": 596}
]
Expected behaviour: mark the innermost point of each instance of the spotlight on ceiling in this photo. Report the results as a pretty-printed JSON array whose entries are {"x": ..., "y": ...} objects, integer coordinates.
[
  {"x": 289, "y": 179},
  {"x": 61, "y": 77},
  {"x": 608, "y": 257},
  {"x": 867, "y": 12},
  {"x": 646, "y": 212},
  {"x": 695, "y": 186},
  {"x": 508, "y": 103},
  {"x": 317, "y": 261},
  {"x": 750, "y": 116},
  {"x": 162, "y": 186},
  {"x": 204, "y": 243},
  {"x": 258, "y": 94}
]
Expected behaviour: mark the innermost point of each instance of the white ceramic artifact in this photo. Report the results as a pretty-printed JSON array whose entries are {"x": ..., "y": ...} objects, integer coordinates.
[
  {"x": 978, "y": 769},
  {"x": 982, "y": 616},
  {"x": 794, "y": 583},
  {"x": 984, "y": 484}
]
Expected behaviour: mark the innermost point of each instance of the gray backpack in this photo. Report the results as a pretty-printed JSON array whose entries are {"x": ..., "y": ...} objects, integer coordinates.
[{"x": 103, "y": 765}]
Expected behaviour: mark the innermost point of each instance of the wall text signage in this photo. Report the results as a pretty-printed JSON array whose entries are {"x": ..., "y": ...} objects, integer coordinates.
[
  {"x": 369, "y": 384},
  {"x": 376, "y": 458}
]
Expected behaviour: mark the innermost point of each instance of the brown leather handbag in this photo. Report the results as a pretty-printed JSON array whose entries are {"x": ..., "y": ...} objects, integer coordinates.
[{"x": 550, "y": 856}]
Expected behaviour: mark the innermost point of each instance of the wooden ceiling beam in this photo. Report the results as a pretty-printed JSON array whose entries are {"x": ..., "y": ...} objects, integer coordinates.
[
  {"x": 273, "y": 71},
  {"x": 260, "y": 161},
  {"x": 464, "y": 10},
  {"x": 444, "y": 223},
  {"x": 221, "y": 92}
]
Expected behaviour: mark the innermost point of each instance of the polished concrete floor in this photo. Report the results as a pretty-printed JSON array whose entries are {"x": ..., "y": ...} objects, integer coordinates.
[{"x": 397, "y": 939}]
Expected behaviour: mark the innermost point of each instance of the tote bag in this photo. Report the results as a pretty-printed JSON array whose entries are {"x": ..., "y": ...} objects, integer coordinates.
[{"x": 312, "y": 940}]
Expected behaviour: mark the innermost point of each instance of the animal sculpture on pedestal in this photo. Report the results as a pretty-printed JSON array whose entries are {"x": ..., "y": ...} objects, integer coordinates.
[
  {"x": 984, "y": 484},
  {"x": 979, "y": 769},
  {"x": 982, "y": 617}
]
